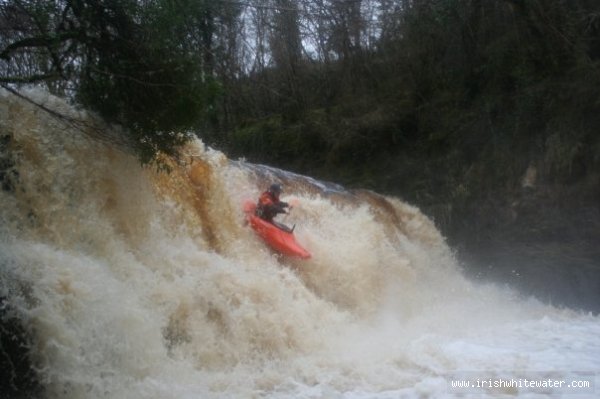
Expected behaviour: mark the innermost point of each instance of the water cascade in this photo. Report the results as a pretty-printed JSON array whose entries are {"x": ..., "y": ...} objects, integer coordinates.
[{"x": 144, "y": 282}]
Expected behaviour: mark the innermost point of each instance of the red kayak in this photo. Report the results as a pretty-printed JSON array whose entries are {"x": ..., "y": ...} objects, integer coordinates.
[{"x": 277, "y": 236}]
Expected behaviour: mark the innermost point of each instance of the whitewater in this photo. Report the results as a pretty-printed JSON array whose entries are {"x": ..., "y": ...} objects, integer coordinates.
[{"x": 145, "y": 282}]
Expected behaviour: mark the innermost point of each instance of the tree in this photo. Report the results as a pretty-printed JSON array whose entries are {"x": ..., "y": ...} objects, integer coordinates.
[
  {"x": 286, "y": 50},
  {"x": 143, "y": 64}
]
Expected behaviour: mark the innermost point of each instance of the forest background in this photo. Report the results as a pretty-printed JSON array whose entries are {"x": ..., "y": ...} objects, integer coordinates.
[{"x": 483, "y": 113}]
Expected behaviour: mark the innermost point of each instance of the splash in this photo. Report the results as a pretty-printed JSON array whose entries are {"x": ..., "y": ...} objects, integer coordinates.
[{"x": 138, "y": 283}]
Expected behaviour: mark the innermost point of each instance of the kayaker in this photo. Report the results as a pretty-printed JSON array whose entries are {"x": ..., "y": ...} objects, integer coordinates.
[{"x": 269, "y": 204}]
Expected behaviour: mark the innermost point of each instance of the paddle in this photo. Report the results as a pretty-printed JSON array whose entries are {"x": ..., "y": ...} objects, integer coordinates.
[{"x": 293, "y": 202}]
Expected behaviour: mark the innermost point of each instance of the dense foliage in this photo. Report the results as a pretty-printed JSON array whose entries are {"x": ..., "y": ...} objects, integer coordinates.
[
  {"x": 140, "y": 64},
  {"x": 445, "y": 102},
  {"x": 452, "y": 103}
]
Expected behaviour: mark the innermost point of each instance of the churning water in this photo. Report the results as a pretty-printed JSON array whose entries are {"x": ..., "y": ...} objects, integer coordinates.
[{"x": 136, "y": 283}]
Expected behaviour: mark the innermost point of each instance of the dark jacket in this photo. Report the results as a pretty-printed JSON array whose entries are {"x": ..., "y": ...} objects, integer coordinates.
[{"x": 269, "y": 206}]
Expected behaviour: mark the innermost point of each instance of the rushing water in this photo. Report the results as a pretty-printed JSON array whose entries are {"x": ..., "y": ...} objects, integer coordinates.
[{"x": 135, "y": 283}]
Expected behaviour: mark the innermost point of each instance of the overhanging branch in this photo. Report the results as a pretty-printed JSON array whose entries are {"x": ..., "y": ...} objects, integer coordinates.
[
  {"x": 28, "y": 79},
  {"x": 91, "y": 129},
  {"x": 38, "y": 41}
]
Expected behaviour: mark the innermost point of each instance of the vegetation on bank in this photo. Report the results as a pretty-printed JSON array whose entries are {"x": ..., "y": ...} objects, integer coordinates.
[
  {"x": 140, "y": 64},
  {"x": 449, "y": 111},
  {"x": 446, "y": 103}
]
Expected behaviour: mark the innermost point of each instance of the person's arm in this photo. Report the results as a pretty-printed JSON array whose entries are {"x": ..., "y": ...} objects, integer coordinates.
[{"x": 279, "y": 207}]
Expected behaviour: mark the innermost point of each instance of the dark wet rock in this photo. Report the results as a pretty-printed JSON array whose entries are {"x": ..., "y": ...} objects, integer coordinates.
[{"x": 18, "y": 378}]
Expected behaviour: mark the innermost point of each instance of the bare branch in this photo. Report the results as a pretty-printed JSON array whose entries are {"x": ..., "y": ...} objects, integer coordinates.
[
  {"x": 39, "y": 41},
  {"x": 28, "y": 79}
]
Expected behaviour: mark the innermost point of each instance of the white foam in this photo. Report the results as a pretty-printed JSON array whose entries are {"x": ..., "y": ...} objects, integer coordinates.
[{"x": 144, "y": 285}]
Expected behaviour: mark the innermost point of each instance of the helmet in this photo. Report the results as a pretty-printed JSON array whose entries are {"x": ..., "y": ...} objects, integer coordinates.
[{"x": 275, "y": 189}]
